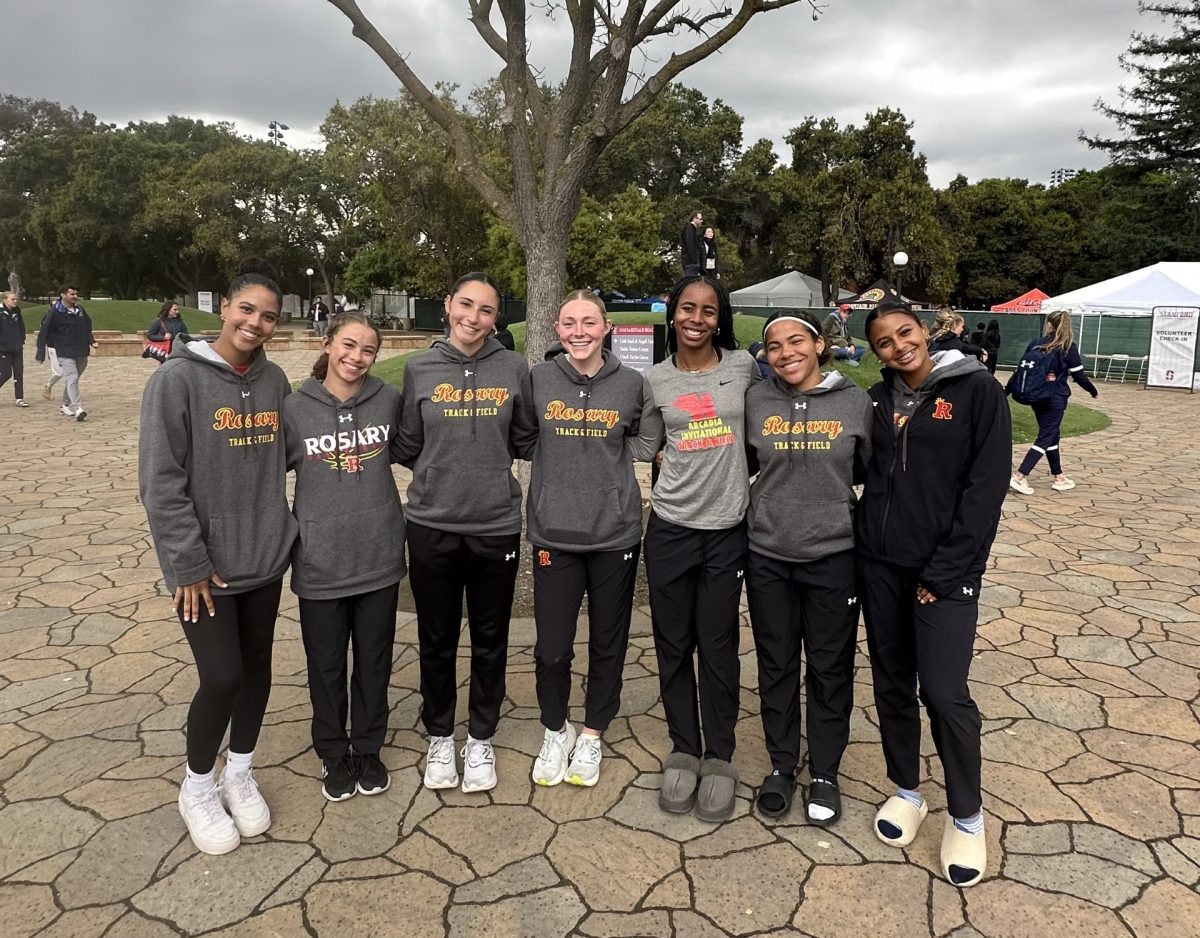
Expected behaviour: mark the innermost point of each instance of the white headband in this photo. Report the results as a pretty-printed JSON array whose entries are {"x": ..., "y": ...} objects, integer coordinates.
[{"x": 804, "y": 322}]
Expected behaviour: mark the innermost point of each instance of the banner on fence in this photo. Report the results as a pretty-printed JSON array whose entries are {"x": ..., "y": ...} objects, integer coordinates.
[{"x": 1172, "y": 347}]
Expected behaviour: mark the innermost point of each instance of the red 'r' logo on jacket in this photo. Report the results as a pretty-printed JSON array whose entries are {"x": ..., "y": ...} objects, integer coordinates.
[{"x": 941, "y": 410}]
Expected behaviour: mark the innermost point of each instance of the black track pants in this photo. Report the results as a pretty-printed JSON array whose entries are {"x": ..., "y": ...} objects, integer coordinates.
[
  {"x": 695, "y": 580},
  {"x": 813, "y": 606},
  {"x": 12, "y": 365},
  {"x": 560, "y": 580},
  {"x": 929, "y": 645},
  {"x": 442, "y": 566},
  {"x": 233, "y": 659},
  {"x": 329, "y": 626}
]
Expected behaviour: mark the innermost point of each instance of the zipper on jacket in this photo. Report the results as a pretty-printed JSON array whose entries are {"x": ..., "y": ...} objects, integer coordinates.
[{"x": 896, "y": 444}]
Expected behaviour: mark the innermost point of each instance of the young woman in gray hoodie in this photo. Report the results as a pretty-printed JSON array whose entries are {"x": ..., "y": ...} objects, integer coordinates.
[
  {"x": 595, "y": 416},
  {"x": 809, "y": 440},
  {"x": 211, "y": 474},
  {"x": 467, "y": 413},
  {"x": 341, "y": 429}
]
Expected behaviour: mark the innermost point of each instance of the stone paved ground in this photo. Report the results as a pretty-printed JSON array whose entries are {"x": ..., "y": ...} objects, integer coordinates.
[{"x": 1086, "y": 672}]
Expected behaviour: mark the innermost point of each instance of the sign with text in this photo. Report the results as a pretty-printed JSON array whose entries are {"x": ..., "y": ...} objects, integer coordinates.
[
  {"x": 204, "y": 302},
  {"x": 1172, "y": 347},
  {"x": 634, "y": 346}
]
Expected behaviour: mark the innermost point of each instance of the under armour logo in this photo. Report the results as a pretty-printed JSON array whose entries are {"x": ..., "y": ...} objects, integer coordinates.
[
  {"x": 801, "y": 405},
  {"x": 467, "y": 372},
  {"x": 583, "y": 394},
  {"x": 345, "y": 418},
  {"x": 851, "y": 601},
  {"x": 739, "y": 574},
  {"x": 245, "y": 394},
  {"x": 511, "y": 556},
  {"x": 1026, "y": 364},
  {"x": 629, "y": 556},
  {"x": 968, "y": 591}
]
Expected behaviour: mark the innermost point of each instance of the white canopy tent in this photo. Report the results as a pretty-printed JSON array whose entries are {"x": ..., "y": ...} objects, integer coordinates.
[
  {"x": 792, "y": 289},
  {"x": 1135, "y": 294}
]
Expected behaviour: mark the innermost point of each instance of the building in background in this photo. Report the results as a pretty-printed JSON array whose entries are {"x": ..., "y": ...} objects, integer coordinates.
[{"x": 1059, "y": 176}]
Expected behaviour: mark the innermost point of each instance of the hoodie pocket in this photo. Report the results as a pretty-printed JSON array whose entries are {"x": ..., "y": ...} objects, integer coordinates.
[
  {"x": 575, "y": 514},
  {"x": 469, "y": 493},
  {"x": 240, "y": 543},
  {"x": 354, "y": 543},
  {"x": 801, "y": 527}
]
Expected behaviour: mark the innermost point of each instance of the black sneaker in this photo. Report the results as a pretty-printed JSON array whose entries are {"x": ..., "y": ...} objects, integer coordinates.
[
  {"x": 373, "y": 778},
  {"x": 341, "y": 778}
]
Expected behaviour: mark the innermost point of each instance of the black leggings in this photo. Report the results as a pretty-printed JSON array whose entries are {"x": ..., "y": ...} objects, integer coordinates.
[
  {"x": 12, "y": 365},
  {"x": 233, "y": 658}
]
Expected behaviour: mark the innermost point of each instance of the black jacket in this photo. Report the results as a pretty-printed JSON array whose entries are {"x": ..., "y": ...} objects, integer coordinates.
[
  {"x": 12, "y": 329},
  {"x": 955, "y": 343},
  {"x": 68, "y": 332},
  {"x": 934, "y": 488},
  {"x": 692, "y": 247}
]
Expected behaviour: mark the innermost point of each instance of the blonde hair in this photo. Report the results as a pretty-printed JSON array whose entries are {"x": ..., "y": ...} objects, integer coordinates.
[
  {"x": 1064, "y": 332},
  {"x": 586, "y": 295},
  {"x": 8, "y": 293},
  {"x": 944, "y": 322}
]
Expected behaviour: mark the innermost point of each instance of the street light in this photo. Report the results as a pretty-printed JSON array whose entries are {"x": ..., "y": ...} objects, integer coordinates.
[
  {"x": 309, "y": 272},
  {"x": 275, "y": 132},
  {"x": 900, "y": 261}
]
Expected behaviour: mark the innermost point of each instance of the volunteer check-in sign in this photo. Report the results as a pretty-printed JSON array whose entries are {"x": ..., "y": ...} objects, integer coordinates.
[{"x": 1172, "y": 347}]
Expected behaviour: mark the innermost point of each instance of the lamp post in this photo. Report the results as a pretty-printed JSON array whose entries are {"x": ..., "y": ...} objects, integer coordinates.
[
  {"x": 900, "y": 261},
  {"x": 309, "y": 273},
  {"x": 275, "y": 131}
]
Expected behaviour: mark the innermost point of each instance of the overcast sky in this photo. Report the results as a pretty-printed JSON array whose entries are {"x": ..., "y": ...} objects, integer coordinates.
[{"x": 994, "y": 87}]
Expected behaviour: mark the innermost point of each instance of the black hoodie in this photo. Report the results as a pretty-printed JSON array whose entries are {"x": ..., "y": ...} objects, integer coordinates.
[
  {"x": 939, "y": 469},
  {"x": 12, "y": 330}
]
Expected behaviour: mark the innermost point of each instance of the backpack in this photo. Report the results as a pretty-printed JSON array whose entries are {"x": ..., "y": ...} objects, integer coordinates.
[{"x": 1036, "y": 375}]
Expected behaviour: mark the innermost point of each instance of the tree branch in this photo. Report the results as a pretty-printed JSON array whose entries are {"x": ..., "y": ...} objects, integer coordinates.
[{"x": 446, "y": 118}]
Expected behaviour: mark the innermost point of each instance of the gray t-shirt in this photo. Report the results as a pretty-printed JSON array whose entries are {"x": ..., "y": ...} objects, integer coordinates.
[{"x": 704, "y": 482}]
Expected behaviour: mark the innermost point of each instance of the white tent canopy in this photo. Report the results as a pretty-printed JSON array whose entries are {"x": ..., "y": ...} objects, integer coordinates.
[
  {"x": 792, "y": 289},
  {"x": 1167, "y": 283}
]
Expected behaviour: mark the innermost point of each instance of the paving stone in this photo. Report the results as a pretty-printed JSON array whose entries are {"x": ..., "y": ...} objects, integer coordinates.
[
  {"x": 1167, "y": 755},
  {"x": 690, "y": 925},
  {"x": 732, "y": 836},
  {"x": 524, "y": 876},
  {"x": 112, "y": 799},
  {"x": 1031, "y": 792},
  {"x": 135, "y": 925},
  {"x": 1104, "y": 649},
  {"x": 272, "y": 924},
  {"x": 837, "y": 905},
  {"x": 1166, "y": 910},
  {"x": 1155, "y": 716},
  {"x": 627, "y": 925},
  {"x": 421, "y": 852},
  {"x": 674, "y": 892},
  {"x": 26, "y": 910},
  {"x": 1014, "y": 910},
  {"x": 612, "y": 866},
  {"x": 1175, "y": 864},
  {"x": 638, "y": 809},
  {"x": 1037, "y": 839},
  {"x": 820, "y": 844},
  {"x": 94, "y": 878},
  {"x": 362, "y": 827},
  {"x": 513, "y": 833},
  {"x": 551, "y": 912},
  {"x": 34, "y": 830},
  {"x": 1110, "y": 845},
  {"x": 760, "y": 891},
  {"x": 83, "y": 923},
  {"x": 295, "y": 886},
  {"x": 65, "y": 765},
  {"x": 1067, "y": 707},
  {"x": 563, "y": 803},
  {"x": 1032, "y": 744},
  {"x": 1087, "y": 877},
  {"x": 1131, "y": 804}
]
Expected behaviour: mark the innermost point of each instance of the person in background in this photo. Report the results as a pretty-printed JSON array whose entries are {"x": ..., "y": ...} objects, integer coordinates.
[
  {"x": 320, "y": 317},
  {"x": 691, "y": 246},
  {"x": 67, "y": 329},
  {"x": 51, "y": 356},
  {"x": 12, "y": 346},
  {"x": 991, "y": 345},
  {"x": 709, "y": 243},
  {"x": 168, "y": 325},
  {"x": 948, "y": 328},
  {"x": 977, "y": 336},
  {"x": 941, "y": 438},
  {"x": 504, "y": 337},
  {"x": 837, "y": 336},
  {"x": 1058, "y": 343}
]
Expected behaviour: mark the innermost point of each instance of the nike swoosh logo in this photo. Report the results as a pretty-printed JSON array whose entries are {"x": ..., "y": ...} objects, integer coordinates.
[{"x": 723, "y": 383}]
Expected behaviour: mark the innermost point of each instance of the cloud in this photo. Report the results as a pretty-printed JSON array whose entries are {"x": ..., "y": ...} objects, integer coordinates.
[{"x": 993, "y": 87}]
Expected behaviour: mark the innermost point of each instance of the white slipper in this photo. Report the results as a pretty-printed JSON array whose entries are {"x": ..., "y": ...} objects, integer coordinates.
[
  {"x": 904, "y": 816},
  {"x": 966, "y": 853}
]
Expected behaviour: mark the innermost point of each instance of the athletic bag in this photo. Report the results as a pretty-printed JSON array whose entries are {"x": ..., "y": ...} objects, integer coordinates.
[{"x": 1035, "y": 376}]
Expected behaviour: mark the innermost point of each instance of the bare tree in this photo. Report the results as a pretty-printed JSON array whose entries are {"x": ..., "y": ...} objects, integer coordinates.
[{"x": 555, "y": 135}]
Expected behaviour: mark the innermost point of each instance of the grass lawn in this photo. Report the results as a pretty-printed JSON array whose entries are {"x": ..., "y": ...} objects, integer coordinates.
[
  {"x": 748, "y": 329},
  {"x": 392, "y": 370},
  {"x": 126, "y": 315}
]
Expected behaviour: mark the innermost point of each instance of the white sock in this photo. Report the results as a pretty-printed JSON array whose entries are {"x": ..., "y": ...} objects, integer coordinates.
[
  {"x": 197, "y": 784},
  {"x": 911, "y": 795},
  {"x": 238, "y": 763}
]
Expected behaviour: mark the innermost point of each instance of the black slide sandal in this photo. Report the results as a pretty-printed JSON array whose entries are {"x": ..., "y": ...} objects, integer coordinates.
[
  {"x": 775, "y": 795},
  {"x": 823, "y": 794}
]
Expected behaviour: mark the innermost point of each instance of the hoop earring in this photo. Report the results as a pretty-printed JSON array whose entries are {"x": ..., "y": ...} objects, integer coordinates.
[{"x": 718, "y": 332}]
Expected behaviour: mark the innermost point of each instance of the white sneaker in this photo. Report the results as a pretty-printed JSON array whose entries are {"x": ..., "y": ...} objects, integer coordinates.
[
  {"x": 1020, "y": 485},
  {"x": 440, "y": 770},
  {"x": 211, "y": 829},
  {"x": 244, "y": 802},
  {"x": 21, "y": 403},
  {"x": 66, "y": 411},
  {"x": 1062, "y": 485},
  {"x": 550, "y": 767},
  {"x": 80, "y": 414},
  {"x": 479, "y": 765},
  {"x": 585, "y": 763}
]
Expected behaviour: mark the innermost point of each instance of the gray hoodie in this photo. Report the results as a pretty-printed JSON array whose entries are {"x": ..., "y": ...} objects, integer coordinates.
[
  {"x": 351, "y": 525},
  {"x": 583, "y": 495},
  {"x": 811, "y": 447},
  {"x": 463, "y": 421},
  {"x": 211, "y": 469}
]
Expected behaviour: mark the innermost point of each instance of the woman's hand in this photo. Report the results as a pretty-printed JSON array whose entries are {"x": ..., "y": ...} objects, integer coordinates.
[
  {"x": 924, "y": 596},
  {"x": 191, "y": 594}
]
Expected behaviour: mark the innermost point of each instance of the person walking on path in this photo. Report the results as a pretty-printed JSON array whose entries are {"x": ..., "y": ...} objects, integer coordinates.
[
  {"x": 991, "y": 345},
  {"x": 467, "y": 412},
  {"x": 695, "y": 545},
  {"x": 941, "y": 436},
  {"x": 55, "y": 374},
  {"x": 691, "y": 246},
  {"x": 12, "y": 346},
  {"x": 168, "y": 326},
  {"x": 709, "y": 244},
  {"x": 211, "y": 474},
  {"x": 948, "y": 328},
  {"x": 320, "y": 317},
  {"x": 837, "y": 336},
  {"x": 341, "y": 429},
  {"x": 595, "y": 416},
  {"x": 67, "y": 329},
  {"x": 1040, "y": 380},
  {"x": 809, "y": 439}
]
